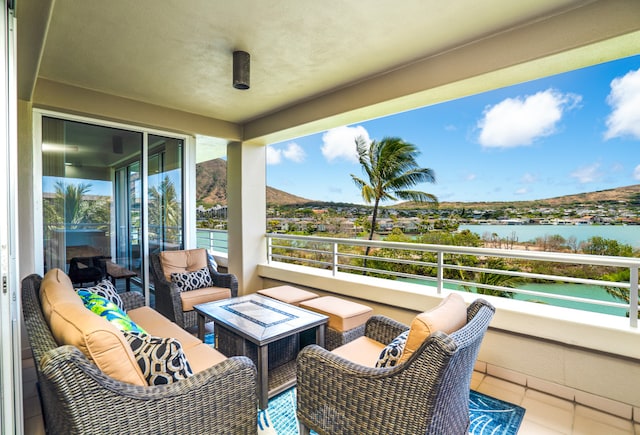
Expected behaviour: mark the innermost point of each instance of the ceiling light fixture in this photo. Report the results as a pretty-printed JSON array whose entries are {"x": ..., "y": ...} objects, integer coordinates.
[
  {"x": 241, "y": 70},
  {"x": 58, "y": 148},
  {"x": 116, "y": 144}
]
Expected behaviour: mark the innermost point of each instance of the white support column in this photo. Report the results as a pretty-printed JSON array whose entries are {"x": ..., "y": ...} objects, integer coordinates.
[{"x": 246, "y": 196}]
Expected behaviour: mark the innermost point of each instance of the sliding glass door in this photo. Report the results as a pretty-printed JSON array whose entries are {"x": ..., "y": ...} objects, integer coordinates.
[
  {"x": 110, "y": 192},
  {"x": 128, "y": 216},
  {"x": 165, "y": 203}
]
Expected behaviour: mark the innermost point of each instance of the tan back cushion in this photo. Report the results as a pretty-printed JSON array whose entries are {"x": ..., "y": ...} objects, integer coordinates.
[
  {"x": 56, "y": 288},
  {"x": 188, "y": 260},
  {"x": 100, "y": 341},
  {"x": 449, "y": 316},
  {"x": 72, "y": 323}
]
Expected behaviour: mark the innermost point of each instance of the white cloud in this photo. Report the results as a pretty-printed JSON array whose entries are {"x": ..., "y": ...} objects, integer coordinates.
[
  {"x": 292, "y": 151},
  {"x": 470, "y": 177},
  {"x": 528, "y": 178},
  {"x": 274, "y": 156},
  {"x": 520, "y": 121},
  {"x": 522, "y": 191},
  {"x": 617, "y": 167},
  {"x": 636, "y": 173},
  {"x": 587, "y": 174},
  {"x": 624, "y": 100},
  {"x": 339, "y": 143}
]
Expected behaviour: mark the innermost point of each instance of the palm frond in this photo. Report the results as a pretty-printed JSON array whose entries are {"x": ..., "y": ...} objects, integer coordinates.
[{"x": 416, "y": 196}]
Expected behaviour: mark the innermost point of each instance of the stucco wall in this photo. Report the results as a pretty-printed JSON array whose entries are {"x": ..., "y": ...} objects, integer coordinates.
[{"x": 516, "y": 342}]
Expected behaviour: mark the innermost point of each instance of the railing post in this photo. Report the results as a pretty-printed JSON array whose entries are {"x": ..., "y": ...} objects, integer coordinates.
[
  {"x": 335, "y": 258},
  {"x": 269, "y": 248},
  {"x": 440, "y": 271},
  {"x": 633, "y": 296}
]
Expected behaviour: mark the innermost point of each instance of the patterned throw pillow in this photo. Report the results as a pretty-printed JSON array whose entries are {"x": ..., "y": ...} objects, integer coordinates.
[
  {"x": 391, "y": 354},
  {"x": 192, "y": 280},
  {"x": 105, "y": 308},
  {"x": 161, "y": 360},
  {"x": 212, "y": 260},
  {"x": 107, "y": 290}
]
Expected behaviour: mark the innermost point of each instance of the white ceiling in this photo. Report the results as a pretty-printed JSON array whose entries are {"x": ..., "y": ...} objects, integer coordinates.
[{"x": 178, "y": 54}]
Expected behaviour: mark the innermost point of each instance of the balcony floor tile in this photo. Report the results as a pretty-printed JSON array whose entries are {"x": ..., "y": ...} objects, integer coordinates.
[{"x": 545, "y": 414}]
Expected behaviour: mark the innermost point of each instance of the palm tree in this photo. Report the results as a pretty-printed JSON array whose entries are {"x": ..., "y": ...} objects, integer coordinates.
[
  {"x": 494, "y": 279},
  {"x": 70, "y": 198},
  {"x": 165, "y": 211},
  {"x": 390, "y": 168}
]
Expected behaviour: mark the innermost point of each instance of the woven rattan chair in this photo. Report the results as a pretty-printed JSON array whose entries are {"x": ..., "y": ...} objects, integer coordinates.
[
  {"x": 427, "y": 394},
  {"x": 168, "y": 298},
  {"x": 78, "y": 398},
  {"x": 87, "y": 269}
]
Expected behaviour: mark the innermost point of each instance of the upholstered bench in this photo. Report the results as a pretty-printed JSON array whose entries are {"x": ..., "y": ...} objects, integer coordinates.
[
  {"x": 347, "y": 319},
  {"x": 94, "y": 377},
  {"x": 288, "y": 294}
]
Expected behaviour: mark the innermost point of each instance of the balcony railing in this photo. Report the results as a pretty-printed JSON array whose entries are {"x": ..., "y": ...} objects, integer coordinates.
[
  {"x": 215, "y": 240},
  {"x": 482, "y": 270}
]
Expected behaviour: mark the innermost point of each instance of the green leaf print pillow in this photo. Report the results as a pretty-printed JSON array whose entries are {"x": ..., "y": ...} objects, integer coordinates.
[{"x": 105, "y": 308}]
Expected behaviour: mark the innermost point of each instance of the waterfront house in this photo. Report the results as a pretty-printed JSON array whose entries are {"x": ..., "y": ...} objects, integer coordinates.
[{"x": 121, "y": 92}]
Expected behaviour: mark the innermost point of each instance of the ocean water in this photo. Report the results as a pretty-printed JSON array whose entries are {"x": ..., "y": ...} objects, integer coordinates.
[
  {"x": 626, "y": 234},
  {"x": 576, "y": 290}
]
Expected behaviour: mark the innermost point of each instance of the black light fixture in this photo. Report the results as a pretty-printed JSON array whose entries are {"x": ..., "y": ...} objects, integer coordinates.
[
  {"x": 116, "y": 142},
  {"x": 241, "y": 70}
]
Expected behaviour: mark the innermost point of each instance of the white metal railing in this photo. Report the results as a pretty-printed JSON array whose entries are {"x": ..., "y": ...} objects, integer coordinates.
[
  {"x": 445, "y": 265},
  {"x": 215, "y": 240}
]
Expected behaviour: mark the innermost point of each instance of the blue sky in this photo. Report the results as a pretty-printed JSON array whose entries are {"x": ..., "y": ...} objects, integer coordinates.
[{"x": 571, "y": 133}]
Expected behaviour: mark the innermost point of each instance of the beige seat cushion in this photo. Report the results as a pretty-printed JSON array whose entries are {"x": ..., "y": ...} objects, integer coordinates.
[
  {"x": 449, "y": 316},
  {"x": 148, "y": 318},
  {"x": 362, "y": 350},
  {"x": 159, "y": 326},
  {"x": 343, "y": 315},
  {"x": 200, "y": 356},
  {"x": 203, "y": 356},
  {"x": 202, "y": 295},
  {"x": 288, "y": 294},
  {"x": 188, "y": 260}
]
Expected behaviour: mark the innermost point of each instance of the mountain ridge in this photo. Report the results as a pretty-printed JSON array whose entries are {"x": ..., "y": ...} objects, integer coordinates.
[
  {"x": 211, "y": 182},
  {"x": 211, "y": 187},
  {"x": 628, "y": 194}
]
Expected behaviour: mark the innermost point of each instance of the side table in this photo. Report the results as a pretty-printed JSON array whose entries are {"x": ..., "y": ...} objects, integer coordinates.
[{"x": 115, "y": 271}]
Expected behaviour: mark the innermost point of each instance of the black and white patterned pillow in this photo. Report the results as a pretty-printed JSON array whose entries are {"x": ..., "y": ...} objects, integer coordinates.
[
  {"x": 192, "y": 280},
  {"x": 107, "y": 290},
  {"x": 391, "y": 354},
  {"x": 161, "y": 360}
]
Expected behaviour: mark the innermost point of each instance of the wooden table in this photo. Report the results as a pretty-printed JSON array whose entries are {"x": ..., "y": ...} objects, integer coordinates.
[
  {"x": 81, "y": 251},
  {"x": 115, "y": 271},
  {"x": 248, "y": 325}
]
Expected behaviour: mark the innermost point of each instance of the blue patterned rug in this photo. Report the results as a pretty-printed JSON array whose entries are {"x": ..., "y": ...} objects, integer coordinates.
[{"x": 487, "y": 415}]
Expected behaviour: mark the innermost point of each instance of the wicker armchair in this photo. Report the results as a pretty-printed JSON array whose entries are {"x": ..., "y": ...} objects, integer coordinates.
[
  {"x": 168, "y": 297},
  {"x": 87, "y": 269},
  {"x": 78, "y": 398},
  {"x": 427, "y": 394}
]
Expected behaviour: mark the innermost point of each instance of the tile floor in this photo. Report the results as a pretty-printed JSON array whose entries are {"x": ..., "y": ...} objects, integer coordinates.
[
  {"x": 545, "y": 415},
  {"x": 550, "y": 415}
]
